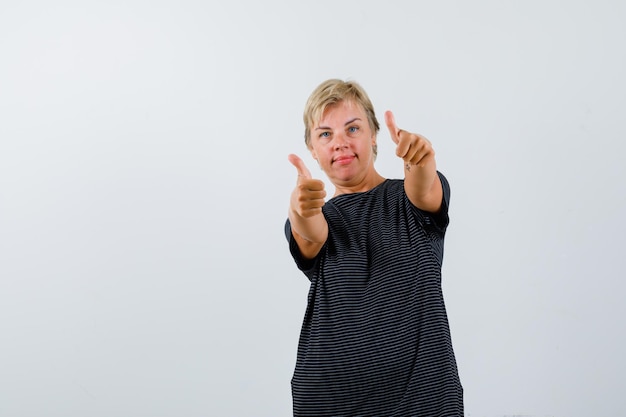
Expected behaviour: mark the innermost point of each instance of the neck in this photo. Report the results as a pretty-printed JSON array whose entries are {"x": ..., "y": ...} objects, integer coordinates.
[{"x": 366, "y": 184}]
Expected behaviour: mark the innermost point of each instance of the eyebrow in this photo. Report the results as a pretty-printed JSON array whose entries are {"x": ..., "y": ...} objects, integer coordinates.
[{"x": 346, "y": 124}]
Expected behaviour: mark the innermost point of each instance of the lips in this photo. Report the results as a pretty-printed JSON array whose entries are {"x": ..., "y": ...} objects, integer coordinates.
[{"x": 344, "y": 159}]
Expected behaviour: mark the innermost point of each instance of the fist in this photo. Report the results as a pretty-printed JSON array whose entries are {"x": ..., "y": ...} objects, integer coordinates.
[
  {"x": 307, "y": 199},
  {"x": 414, "y": 149}
]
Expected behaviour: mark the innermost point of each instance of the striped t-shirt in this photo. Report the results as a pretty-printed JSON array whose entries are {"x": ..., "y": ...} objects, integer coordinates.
[{"x": 375, "y": 339}]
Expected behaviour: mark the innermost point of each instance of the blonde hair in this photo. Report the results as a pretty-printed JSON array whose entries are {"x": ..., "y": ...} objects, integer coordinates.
[{"x": 332, "y": 92}]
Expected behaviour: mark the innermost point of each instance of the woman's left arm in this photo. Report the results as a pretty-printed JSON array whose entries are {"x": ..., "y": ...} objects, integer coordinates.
[{"x": 421, "y": 182}]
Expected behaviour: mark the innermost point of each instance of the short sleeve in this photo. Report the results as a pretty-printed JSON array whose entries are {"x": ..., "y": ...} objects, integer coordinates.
[
  {"x": 305, "y": 265},
  {"x": 440, "y": 220}
]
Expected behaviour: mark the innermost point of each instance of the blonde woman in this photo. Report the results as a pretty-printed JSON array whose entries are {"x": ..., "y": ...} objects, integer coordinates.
[{"x": 375, "y": 339}]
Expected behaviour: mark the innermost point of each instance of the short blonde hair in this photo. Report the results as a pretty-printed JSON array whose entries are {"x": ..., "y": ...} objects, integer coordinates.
[{"x": 332, "y": 92}]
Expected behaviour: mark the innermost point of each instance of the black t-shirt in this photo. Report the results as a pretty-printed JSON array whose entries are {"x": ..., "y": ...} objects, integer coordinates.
[{"x": 375, "y": 339}]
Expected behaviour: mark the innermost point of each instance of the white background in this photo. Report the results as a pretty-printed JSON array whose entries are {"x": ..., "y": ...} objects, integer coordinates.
[{"x": 144, "y": 185}]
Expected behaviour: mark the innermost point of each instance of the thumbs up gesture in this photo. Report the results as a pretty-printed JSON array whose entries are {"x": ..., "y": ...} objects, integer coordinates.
[
  {"x": 414, "y": 149},
  {"x": 421, "y": 182},
  {"x": 307, "y": 198}
]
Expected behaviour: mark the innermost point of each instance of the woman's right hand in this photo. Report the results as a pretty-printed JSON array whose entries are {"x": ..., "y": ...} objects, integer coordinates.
[{"x": 308, "y": 198}]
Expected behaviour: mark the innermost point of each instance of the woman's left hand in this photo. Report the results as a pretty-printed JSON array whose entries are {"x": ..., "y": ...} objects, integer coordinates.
[{"x": 414, "y": 149}]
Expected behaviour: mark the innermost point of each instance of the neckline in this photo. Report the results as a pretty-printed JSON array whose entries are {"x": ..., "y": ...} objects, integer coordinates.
[{"x": 356, "y": 193}]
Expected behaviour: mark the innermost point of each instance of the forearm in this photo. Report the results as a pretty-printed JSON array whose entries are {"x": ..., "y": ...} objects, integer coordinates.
[
  {"x": 423, "y": 186},
  {"x": 313, "y": 229},
  {"x": 310, "y": 233}
]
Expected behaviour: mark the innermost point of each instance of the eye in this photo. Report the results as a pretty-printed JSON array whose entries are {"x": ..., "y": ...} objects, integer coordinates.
[
  {"x": 353, "y": 129},
  {"x": 325, "y": 135}
]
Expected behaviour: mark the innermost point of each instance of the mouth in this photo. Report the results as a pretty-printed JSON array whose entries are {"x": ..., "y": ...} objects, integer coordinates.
[{"x": 344, "y": 159}]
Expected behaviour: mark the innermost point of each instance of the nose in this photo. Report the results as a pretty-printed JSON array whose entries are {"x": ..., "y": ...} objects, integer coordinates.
[{"x": 340, "y": 142}]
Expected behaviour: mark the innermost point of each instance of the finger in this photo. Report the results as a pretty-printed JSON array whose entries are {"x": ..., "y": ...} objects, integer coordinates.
[
  {"x": 390, "y": 121},
  {"x": 414, "y": 154},
  {"x": 403, "y": 146},
  {"x": 311, "y": 184},
  {"x": 421, "y": 152},
  {"x": 312, "y": 203},
  {"x": 303, "y": 171}
]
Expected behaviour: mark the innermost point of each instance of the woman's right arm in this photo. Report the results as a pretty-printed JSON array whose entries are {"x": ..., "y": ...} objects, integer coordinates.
[{"x": 308, "y": 224}]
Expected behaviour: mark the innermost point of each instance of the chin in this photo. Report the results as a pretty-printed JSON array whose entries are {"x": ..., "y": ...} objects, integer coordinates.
[{"x": 343, "y": 179}]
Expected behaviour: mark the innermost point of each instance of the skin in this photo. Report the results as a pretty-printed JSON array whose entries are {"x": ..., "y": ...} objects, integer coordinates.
[{"x": 342, "y": 143}]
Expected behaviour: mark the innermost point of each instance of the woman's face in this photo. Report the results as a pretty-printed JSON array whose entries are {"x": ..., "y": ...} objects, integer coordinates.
[{"x": 342, "y": 144}]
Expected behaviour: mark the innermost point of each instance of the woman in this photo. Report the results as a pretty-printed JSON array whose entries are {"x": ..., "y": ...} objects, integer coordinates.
[{"x": 375, "y": 340}]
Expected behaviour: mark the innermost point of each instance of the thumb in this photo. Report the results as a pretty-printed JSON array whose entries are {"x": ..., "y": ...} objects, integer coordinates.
[
  {"x": 390, "y": 121},
  {"x": 303, "y": 171}
]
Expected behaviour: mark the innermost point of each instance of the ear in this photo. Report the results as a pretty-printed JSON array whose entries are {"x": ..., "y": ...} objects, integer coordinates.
[{"x": 313, "y": 153}]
